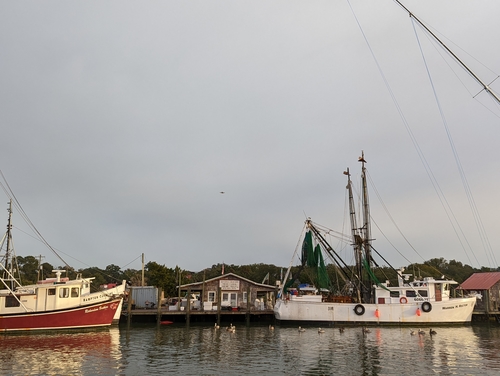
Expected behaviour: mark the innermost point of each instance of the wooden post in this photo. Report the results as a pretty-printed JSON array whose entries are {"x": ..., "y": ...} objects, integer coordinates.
[
  {"x": 487, "y": 303},
  {"x": 219, "y": 298},
  {"x": 203, "y": 293},
  {"x": 179, "y": 289},
  {"x": 142, "y": 275},
  {"x": 188, "y": 307},
  {"x": 158, "y": 307},
  {"x": 248, "y": 306},
  {"x": 129, "y": 306}
]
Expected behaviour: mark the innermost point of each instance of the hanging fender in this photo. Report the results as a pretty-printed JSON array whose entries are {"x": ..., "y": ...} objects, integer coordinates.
[
  {"x": 426, "y": 307},
  {"x": 359, "y": 309}
]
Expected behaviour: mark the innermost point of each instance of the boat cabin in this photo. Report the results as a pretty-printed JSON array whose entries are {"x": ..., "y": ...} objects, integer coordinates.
[{"x": 425, "y": 290}]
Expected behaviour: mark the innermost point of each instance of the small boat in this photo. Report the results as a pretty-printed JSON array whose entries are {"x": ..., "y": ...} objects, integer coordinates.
[
  {"x": 166, "y": 322},
  {"x": 52, "y": 303}
]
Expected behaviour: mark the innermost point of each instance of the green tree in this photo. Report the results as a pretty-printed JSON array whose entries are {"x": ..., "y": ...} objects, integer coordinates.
[
  {"x": 163, "y": 277},
  {"x": 28, "y": 269},
  {"x": 114, "y": 273}
]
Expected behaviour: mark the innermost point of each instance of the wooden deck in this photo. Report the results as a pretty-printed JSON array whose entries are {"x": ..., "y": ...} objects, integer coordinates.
[{"x": 155, "y": 315}]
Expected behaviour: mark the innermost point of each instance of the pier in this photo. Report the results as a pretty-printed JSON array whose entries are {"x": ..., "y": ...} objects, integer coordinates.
[{"x": 164, "y": 314}]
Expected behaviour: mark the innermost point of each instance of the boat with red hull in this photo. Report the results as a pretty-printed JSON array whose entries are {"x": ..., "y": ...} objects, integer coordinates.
[
  {"x": 95, "y": 315},
  {"x": 53, "y": 303}
]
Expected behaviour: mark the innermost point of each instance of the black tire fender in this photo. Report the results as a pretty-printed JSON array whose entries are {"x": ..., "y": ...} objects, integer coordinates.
[
  {"x": 359, "y": 309},
  {"x": 426, "y": 307}
]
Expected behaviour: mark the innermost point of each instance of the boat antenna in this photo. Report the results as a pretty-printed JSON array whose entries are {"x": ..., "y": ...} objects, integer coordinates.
[{"x": 484, "y": 85}]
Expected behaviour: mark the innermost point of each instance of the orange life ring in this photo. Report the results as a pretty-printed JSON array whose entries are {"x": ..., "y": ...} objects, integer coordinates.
[{"x": 403, "y": 300}]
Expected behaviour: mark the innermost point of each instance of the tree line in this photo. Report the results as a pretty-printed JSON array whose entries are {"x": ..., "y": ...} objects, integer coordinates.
[{"x": 168, "y": 279}]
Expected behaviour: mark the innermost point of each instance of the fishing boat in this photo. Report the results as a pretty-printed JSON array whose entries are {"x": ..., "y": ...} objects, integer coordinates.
[
  {"x": 363, "y": 298},
  {"x": 52, "y": 303}
]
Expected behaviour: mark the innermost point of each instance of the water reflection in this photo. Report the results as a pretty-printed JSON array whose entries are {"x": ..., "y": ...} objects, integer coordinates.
[
  {"x": 60, "y": 352},
  {"x": 203, "y": 350}
]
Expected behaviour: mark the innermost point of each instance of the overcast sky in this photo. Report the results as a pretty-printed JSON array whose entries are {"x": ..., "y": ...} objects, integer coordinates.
[{"x": 121, "y": 123}]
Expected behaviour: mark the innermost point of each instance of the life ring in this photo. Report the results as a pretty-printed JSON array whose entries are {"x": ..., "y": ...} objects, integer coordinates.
[
  {"x": 359, "y": 310},
  {"x": 403, "y": 300},
  {"x": 426, "y": 307}
]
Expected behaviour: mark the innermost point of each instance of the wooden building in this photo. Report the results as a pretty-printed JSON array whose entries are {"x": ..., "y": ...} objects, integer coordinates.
[
  {"x": 487, "y": 288},
  {"x": 231, "y": 292}
]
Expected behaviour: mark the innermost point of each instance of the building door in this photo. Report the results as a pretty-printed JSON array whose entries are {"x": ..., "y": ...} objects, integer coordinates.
[
  {"x": 438, "y": 292},
  {"x": 234, "y": 299},
  {"x": 229, "y": 299}
]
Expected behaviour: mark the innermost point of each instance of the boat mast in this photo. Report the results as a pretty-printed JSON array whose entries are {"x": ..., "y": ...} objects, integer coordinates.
[
  {"x": 8, "y": 254},
  {"x": 366, "y": 229},
  {"x": 484, "y": 85},
  {"x": 357, "y": 242}
]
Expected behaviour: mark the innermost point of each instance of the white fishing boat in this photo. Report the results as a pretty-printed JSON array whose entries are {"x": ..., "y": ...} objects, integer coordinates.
[
  {"x": 363, "y": 299},
  {"x": 52, "y": 303}
]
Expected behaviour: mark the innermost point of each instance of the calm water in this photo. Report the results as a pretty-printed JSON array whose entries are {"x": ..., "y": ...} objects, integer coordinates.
[{"x": 202, "y": 350}]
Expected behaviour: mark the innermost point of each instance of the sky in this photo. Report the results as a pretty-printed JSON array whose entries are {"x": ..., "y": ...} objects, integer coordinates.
[{"x": 122, "y": 122}]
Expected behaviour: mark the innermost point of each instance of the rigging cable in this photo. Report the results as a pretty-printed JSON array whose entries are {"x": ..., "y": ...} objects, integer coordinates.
[
  {"x": 8, "y": 191},
  {"x": 468, "y": 191},
  {"x": 10, "y": 194},
  {"x": 413, "y": 139},
  {"x": 471, "y": 73}
]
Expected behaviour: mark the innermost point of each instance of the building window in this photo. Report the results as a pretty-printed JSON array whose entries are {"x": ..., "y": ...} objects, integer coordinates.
[
  {"x": 244, "y": 296},
  {"x": 211, "y": 296}
]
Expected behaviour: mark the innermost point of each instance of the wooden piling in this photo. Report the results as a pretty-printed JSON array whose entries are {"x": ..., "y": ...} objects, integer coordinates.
[
  {"x": 248, "y": 307},
  {"x": 219, "y": 298},
  {"x": 158, "y": 306},
  {"x": 129, "y": 307},
  {"x": 188, "y": 306}
]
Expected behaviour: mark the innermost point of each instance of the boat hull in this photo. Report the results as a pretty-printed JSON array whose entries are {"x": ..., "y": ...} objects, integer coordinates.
[
  {"x": 94, "y": 315},
  {"x": 456, "y": 310}
]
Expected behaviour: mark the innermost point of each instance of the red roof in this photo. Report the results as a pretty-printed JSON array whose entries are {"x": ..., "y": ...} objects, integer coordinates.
[{"x": 481, "y": 281}]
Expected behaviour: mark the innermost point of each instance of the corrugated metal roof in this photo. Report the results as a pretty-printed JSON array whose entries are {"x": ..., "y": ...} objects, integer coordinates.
[{"x": 481, "y": 281}]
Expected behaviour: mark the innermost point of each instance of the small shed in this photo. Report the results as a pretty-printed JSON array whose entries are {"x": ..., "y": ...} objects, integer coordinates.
[
  {"x": 487, "y": 288},
  {"x": 233, "y": 292},
  {"x": 143, "y": 296}
]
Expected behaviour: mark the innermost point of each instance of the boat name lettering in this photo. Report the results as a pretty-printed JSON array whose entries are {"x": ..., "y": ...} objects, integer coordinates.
[
  {"x": 421, "y": 299},
  {"x": 448, "y": 307},
  {"x": 330, "y": 308},
  {"x": 91, "y": 310},
  {"x": 463, "y": 305}
]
